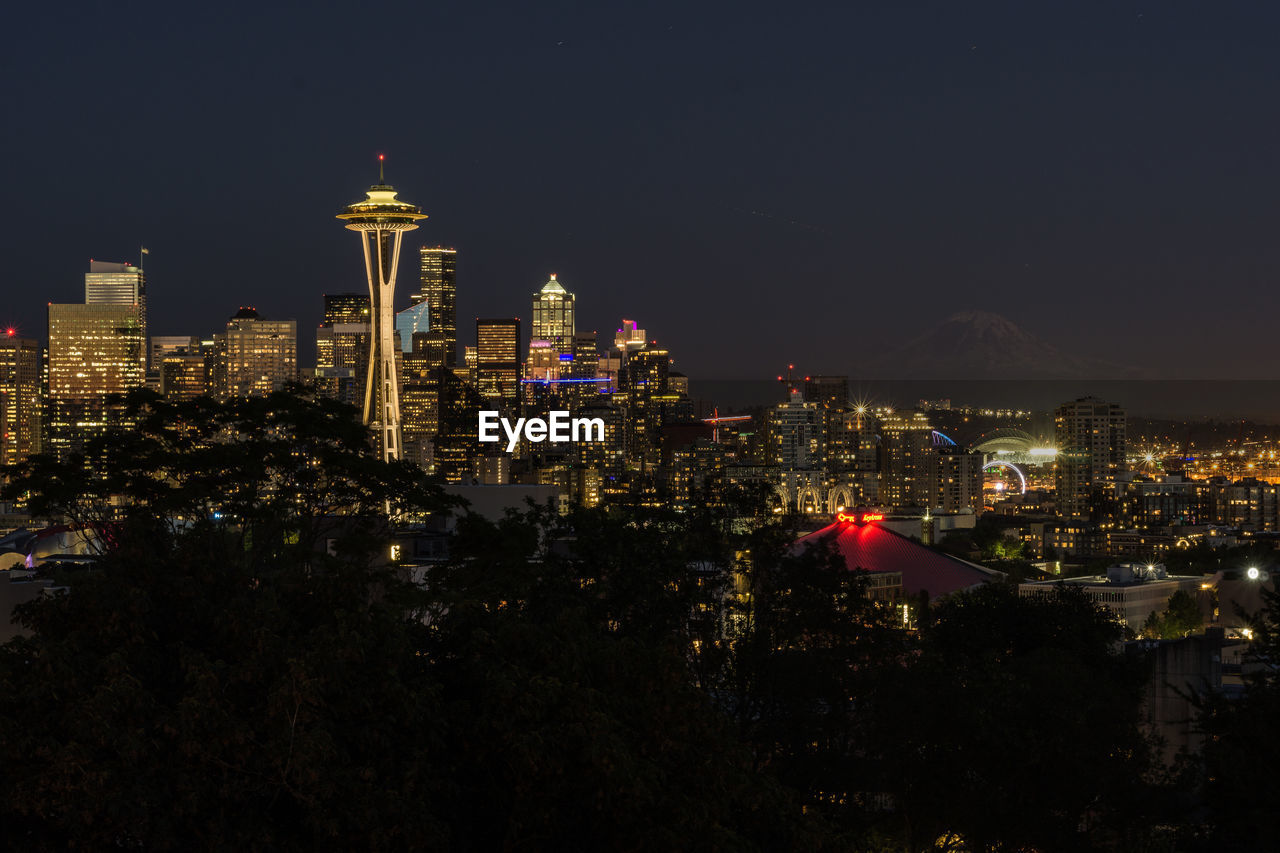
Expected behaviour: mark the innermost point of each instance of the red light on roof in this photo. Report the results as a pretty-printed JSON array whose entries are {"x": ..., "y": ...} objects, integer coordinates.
[
  {"x": 382, "y": 156},
  {"x": 11, "y": 331}
]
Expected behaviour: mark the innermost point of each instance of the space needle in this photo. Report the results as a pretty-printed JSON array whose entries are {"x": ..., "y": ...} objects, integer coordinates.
[{"x": 381, "y": 219}]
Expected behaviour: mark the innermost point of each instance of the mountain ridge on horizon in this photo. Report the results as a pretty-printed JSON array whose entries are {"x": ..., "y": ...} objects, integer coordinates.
[{"x": 974, "y": 344}]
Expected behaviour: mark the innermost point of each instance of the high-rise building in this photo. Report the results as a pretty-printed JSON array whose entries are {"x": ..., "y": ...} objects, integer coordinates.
[
  {"x": 956, "y": 480},
  {"x": 184, "y": 374},
  {"x": 255, "y": 356},
  {"x": 1090, "y": 436},
  {"x": 438, "y": 290},
  {"x": 907, "y": 463},
  {"x": 381, "y": 220},
  {"x": 795, "y": 435},
  {"x": 586, "y": 355},
  {"x": 643, "y": 386},
  {"x": 95, "y": 351},
  {"x": 176, "y": 367},
  {"x": 630, "y": 338},
  {"x": 497, "y": 375},
  {"x": 19, "y": 398},
  {"x": 117, "y": 284},
  {"x": 414, "y": 320},
  {"x": 162, "y": 345},
  {"x": 553, "y": 317},
  {"x": 795, "y": 447},
  {"x": 342, "y": 347}
]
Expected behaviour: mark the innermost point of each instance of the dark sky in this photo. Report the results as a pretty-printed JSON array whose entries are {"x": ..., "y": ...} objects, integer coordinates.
[{"x": 754, "y": 183}]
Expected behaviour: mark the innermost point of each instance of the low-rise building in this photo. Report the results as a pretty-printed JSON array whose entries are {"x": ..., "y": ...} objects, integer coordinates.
[{"x": 1133, "y": 591}]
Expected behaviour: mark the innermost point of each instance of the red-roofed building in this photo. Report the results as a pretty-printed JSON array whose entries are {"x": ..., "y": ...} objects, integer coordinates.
[{"x": 877, "y": 549}]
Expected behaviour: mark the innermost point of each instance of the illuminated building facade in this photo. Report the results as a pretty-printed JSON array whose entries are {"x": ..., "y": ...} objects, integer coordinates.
[
  {"x": 94, "y": 351},
  {"x": 643, "y": 386},
  {"x": 553, "y": 321},
  {"x": 497, "y": 372},
  {"x": 956, "y": 481},
  {"x": 1090, "y": 436},
  {"x": 795, "y": 435},
  {"x": 162, "y": 345},
  {"x": 117, "y": 284},
  {"x": 906, "y": 460},
  {"x": 19, "y": 398},
  {"x": 346, "y": 308},
  {"x": 438, "y": 292},
  {"x": 381, "y": 221},
  {"x": 255, "y": 356},
  {"x": 630, "y": 338},
  {"x": 414, "y": 320},
  {"x": 184, "y": 375},
  {"x": 342, "y": 347}
]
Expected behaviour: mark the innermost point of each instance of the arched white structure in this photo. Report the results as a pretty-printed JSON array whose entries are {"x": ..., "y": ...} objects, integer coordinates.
[{"x": 996, "y": 463}]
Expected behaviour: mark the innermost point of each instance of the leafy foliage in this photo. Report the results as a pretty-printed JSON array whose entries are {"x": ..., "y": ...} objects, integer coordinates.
[
  {"x": 1241, "y": 752},
  {"x": 1015, "y": 726},
  {"x": 241, "y": 668},
  {"x": 1181, "y": 617},
  {"x": 236, "y": 669}
]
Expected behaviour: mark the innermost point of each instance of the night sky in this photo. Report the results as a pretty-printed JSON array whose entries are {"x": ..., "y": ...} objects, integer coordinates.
[{"x": 756, "y": 184}]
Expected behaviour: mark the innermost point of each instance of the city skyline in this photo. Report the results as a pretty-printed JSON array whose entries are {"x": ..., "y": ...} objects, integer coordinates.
[{"x": 901, "y": 164}]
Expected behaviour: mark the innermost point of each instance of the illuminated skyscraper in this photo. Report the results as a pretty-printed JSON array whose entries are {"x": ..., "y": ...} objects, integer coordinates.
[
  {"x": 630, "y": 338},
  {"x": 795, "y": 435},
  {"x": 255, "y": 356},
  {"x": 1091, "y": 443},
  {"x": 19, "y": 398},
  {"x": 346, "y": 308},
  {"x": 117, "y": 284},
  {"x": 498, "y": 359},
  {"x": 553, "y": 318},
  {"x": 184, "y": 374},
  {"x": 163, "y": 345},
  {"x": 415, "y": 320},
  {"x": 907, "y": 456},
  {"x": 438, "y": 290},
  {"x": 94, "y": 351},
  {"x": 381, "y": 221},
  {"x": 342, "y": 347}
]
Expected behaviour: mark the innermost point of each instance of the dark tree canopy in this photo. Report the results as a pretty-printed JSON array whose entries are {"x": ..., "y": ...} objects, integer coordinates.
[
  {"x": 236, "y": 668},
  {"x": 242, "y": 667},
  {"x": 1016, "y": 726}
]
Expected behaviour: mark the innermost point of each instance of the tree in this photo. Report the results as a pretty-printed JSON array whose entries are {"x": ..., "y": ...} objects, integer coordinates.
[
  {"x": 1241, "y": 752},
  {"x": 1015, "y": 724},
  {"x": 1180, "y": 618},
  {"x": 562, "y": 646},
  {"x": 803, "y": 665},
  {"x": 237, "y": 669}
]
